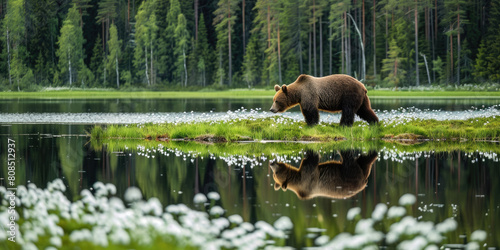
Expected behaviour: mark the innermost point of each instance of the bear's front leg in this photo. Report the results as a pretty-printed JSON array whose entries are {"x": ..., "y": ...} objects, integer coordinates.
[{"x": 311, "y": 114}]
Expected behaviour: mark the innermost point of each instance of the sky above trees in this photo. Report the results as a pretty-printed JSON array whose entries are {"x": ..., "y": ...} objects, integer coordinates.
[{"x": 174, "y": 44}]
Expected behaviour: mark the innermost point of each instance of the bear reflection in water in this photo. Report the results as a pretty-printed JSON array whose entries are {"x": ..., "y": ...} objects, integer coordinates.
[{"x": 333, "y": 179}]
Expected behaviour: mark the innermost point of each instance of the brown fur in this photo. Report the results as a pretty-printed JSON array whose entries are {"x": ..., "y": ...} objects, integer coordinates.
[
  {"x": 332, "y": 93},
  {"x": 333, "y": 179}
]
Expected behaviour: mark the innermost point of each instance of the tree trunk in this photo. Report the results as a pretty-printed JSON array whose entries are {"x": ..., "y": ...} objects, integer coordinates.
[
  {"x": 152, "y": 69},
  {"x": 427, "y": 68},
  {"x": 386, "y": 34},
  {"x": 416, "y": 42},
  {"x": 363, "y": 16},
  {"x": 330, "y": 55},
  {"x": 363, "y": 68},
  {"x": 451, "y": 54},
  {"x": 301, "y": 66},
  {"x": 310, "y": 59},
  {"x": 279, "y": 52},
  {"x": 268, "y": 26},
  {"x": 117, "y": 73},
  {"x": 185, "y": 68},
  {"x": 320, "y": 47},
  {"x": 146, "y": 63},
  {"x": 458, "y": 45},
  {"x": 196, "y": 20},
  {"x": 342, "y": 45},
  {"x": 244, "y": 30},
  {"x": 69, "y": 67},
  {"x": 374, "y": 42},
  {"x": 314, "y": 37},
  {"x": 220, "y": 65},
  {"x": 229, "y": 42},
  {"x": 8, "y": 58},
  {"x": 433, "y": 35}
]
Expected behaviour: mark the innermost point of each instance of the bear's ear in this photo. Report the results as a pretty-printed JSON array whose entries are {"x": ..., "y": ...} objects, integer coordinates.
[
  {"x": 277, "y": 186},
  {"x": 283, "y": 88},
  {"x": 277, "y": 87}
]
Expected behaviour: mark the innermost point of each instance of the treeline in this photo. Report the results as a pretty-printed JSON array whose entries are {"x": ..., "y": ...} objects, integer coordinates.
[{"x": 162, "y": 44}]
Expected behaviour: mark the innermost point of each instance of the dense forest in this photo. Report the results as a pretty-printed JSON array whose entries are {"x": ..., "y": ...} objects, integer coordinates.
[{"x": 177, "y": 44}]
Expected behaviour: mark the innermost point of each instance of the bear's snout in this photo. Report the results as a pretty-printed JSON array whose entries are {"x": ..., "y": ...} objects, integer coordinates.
[{"x": 273, "y": 110}]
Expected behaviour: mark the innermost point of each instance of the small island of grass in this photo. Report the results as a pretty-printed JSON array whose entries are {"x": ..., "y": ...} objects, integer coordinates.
[{"x": 287, "y": 129}]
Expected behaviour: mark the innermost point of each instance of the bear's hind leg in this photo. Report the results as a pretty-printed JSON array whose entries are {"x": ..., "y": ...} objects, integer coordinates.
[{"x": 347, "y": 118}]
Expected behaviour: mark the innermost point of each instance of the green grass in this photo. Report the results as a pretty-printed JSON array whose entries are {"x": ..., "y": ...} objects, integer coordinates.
[
  {"x": 286, "y": 129},
  {"x": 288, "y": 148},
  {"x": 232, "y": 94}
]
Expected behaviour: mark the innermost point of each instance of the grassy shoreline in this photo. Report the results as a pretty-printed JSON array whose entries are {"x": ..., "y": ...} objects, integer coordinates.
[
  {"x": 286, "y": 129},
  {"x": 232, "y": 94}
]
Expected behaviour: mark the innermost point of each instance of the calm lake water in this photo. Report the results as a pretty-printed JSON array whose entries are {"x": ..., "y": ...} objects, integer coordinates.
[{"x": 458, "y": 184}]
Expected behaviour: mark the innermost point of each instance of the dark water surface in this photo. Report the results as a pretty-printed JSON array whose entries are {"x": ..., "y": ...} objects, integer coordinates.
[
  {"x": 457, "y": 184},
  {"x": 205, "y": 105}
]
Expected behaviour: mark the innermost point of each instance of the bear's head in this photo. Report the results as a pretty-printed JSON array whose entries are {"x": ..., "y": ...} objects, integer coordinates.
[{"x": 280, "y": 100}]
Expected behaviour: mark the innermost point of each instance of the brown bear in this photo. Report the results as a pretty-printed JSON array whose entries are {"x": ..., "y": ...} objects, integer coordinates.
[
  {"x": 333, "y": 179},
  {"x": 332, "y": 93}
]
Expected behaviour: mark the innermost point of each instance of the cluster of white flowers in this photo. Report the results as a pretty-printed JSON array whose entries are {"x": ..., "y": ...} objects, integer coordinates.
[
  {"x": 404, "y": 232},
  {"x": 102, "y": 219}
]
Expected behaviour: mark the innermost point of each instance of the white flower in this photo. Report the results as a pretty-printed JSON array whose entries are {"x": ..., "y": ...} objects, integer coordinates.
[
  {"x": 213, "y": 196},
  {"x": 199, "y": 198},
  {"x": 216, "y": 211},
  {"x": 478, "y": 235},
  {"x": 56, "y": 241},
  {"x": 133, "y": 194},
  {"x": 235, "y": 219},
  {"x": 447, "y": 225},
  {"x": 353, "y": 212},
  {"x": 283, "y": 223},
  {"x": 407, "y": 199},
  {"x": 379, "y": 212},
  {"x": 396, "y": 211}
]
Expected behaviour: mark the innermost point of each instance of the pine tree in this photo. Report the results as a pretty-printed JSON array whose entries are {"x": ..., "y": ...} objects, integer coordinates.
[
  {"x": 166, "y": 53},
  {"x": 252, "y": 61},
  {"x": 392, "y": 65},
  {"x": 481, "y": 64},
  {"x": 203, "y": 52},
  {"x": 14, "y": 32},
  {"x": 182, "y": 38},
  {"x": 82, "y": 5},
  {"x": 114, "y": 53},
  {"x": 70, "y": 52},
  {"x": 338, "y": 23},
  {"x": 438, "y": 68},
  {"x": 96, "y": 61},
  {"x": 145, "y": 38},
  {"x": 224, "y": 21}
]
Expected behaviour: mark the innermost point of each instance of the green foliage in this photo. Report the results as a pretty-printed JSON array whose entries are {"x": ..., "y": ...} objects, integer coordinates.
[
  {"x": 180, "y": 52},
  {"x": 70, "y": 52},
  {"x": 438, "y": 68},
  {"x": 114, "y": 54},
  {"x": 392, "y": 66},
  {"x": 224, "y": 21}
]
